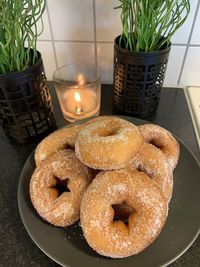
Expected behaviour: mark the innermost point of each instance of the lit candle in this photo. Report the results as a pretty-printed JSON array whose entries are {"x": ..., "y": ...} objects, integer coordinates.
[
  {"x": 78, "y": 89},
  {"x": 77, "y": 98},
  {"x": 79, "y": 103}
]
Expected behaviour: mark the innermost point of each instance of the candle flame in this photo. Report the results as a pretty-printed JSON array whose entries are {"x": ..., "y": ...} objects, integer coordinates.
[
  {"x": 80, "y": 79},
  {"x": 77, "y": 97}
]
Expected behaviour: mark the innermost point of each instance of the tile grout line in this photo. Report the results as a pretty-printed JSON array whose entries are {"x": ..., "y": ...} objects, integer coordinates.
[
  {"x": 66, "y": 41},
  {"x": 95, "y": 32},
  {"x": 188, "y": 43},
  {"x": 103, "y": 42},
  {"x": 52, "y": 37}
]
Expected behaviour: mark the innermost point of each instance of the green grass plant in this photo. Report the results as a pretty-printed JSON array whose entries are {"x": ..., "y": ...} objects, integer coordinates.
[
  {"x": 148, "y": 25},
  {"x": 19, "y": 33}
]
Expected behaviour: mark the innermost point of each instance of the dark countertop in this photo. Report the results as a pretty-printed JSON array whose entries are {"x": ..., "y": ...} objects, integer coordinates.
[{"x": 16, "y": 247}]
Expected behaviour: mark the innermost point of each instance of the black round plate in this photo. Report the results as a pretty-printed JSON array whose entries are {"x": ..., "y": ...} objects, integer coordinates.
[{"x": 69, "y": 248}]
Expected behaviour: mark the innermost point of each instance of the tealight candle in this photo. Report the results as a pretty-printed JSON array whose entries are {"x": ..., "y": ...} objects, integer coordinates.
[{"x": 78, "y": 89}]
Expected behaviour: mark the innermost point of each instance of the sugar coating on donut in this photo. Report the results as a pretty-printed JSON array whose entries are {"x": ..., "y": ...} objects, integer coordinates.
[
  {"x": 162, "y": 139},
  {"x": 151, "y": 161},
  {"x": 108, "y": 143},
  {"x": 60, "y": 139},
  {"x": 114, "y": 238},
  {"x": 99, "y": 118},
  {"x": 59, "y": 210}
]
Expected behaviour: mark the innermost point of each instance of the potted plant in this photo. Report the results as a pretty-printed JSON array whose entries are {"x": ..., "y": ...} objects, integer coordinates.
[
  {"x": 25, "y": 105},
  {"x": 141, "y": 53}
]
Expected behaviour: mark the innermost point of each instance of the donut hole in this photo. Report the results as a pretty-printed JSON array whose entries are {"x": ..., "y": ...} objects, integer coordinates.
[
  {"x": 104, "y": 132},
  {"x": 67, "y": 146},
  {"x": 141, "y": 168},
  {"x": 122, "y": 212},
  {"x": 157, "y": 142},
  {"x": 61, "y": 185}
]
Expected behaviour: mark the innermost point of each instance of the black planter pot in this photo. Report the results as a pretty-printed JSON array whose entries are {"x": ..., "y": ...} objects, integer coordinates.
[
  {"x": 138, "y": 79},
  {"x": 26, "y": 111}
]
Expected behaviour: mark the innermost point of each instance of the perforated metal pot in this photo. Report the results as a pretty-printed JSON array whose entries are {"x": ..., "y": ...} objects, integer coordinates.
[
  {"x": 26, "y": 111},
  {"x": 138, "y": 79}
]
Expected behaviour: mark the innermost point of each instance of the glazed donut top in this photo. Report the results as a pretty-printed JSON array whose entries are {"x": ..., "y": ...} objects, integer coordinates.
[{"x": 108, "y": 143}]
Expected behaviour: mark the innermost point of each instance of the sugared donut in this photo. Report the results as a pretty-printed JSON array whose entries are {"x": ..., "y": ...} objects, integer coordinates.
[
  {"x": 60, "y": 139},
  {"x": 162, "y": 139},
  {"x": 151, "y": 161},
  {"x": 108, "y": 143},
  {"x": 115, "y": 238},
  {"x": 57, "y": 186},
  {"x": 98, "y": 119}
]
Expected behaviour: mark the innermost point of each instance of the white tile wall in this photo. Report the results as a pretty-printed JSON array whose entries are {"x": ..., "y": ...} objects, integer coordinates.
[
  {"x": 71, "y": 52},
  {"x": 196, "y": 33},
  {"x": 108, "y": 24},
  {"x": 72, "y": 20},
  {"x": 46, "y": 49},
  {"x": 174, "y": 65},
  {"x": 182, "y": 35},
  {"x": 84, "y": 31},
  {"x": 105, "y": 61},
  {"x": 46, "y": 34},
  {"x": 191, "y": 71}
]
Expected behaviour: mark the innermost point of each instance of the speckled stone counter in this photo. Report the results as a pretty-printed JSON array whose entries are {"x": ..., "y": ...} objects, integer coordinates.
[{"x": 16, "y": 247}]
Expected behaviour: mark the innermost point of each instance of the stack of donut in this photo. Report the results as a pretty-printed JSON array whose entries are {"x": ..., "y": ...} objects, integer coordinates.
[{"x": 115, "y": 177}]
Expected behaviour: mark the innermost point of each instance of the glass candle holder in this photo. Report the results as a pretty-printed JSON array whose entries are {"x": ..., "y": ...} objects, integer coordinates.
[{"x": 78, "y": 87}]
